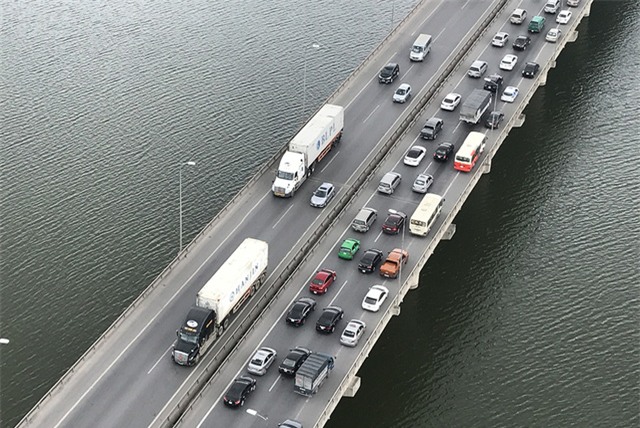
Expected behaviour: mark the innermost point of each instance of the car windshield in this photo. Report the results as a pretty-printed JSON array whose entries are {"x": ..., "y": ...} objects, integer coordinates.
[
  {"x": 416, "y": 49},
  {"x": 393, "y": 220},
  {"x": 317, "y": 281},
  {"x": 257, "y": 361},
  {"x": 321, "y": 193},
  {"x": 441, "y": 151},
  {"x": 370, "y": 300},
  {"x": 285, "y": 175},
  {"x": 400, "y": 92},
  {"x": 296, "y": 311},
  {"x": 288, "y": 362},
  {"x": 414, "y": 153},
  {"x": 387, "y": 70},
  {"x": 420, "y": 183},
  {"x": 349, "y": 333}
]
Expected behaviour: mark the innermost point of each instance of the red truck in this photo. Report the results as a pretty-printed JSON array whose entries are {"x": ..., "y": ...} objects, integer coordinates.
[{"x": 391, "y": 267}]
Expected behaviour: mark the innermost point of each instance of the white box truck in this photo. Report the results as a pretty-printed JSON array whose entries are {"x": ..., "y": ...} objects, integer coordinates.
[
  {"x": 237, "y": 279},
  {"x": 307, "y": 148},
  {"x": 475, "y": 105}
]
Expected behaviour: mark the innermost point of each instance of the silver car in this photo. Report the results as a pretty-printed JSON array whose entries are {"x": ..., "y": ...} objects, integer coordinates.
[
  {"x": 389, "y": 182},
  {"x": 323, "y": 195},
  {"x": 261, "y": 361},
  {"x": 352, "y": 333},
  {"x": 422, "y": 183}
]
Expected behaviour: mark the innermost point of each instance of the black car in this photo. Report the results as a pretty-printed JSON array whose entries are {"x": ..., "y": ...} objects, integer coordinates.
[
  {"x": 444, "y": 152},
  {"x": 394, "y": 223},
  {"x": 300, "y": 311},
  {"x": 388, "y": 73},
  {"x": 531, "y": 69},
  {"x": 370, "y": 260},
  {"x": 521, "y": 43},
  {"x": 293, "y": 360},
  {"x": 432, "y": 128},
  {"x": 494, "y": 119},
  {"x": 493, "y": 82},
  {"x": 239, "y": 390},
  {"x": 329, "y": 318}
]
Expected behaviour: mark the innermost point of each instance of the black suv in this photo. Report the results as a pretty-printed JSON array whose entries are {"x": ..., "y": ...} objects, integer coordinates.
[
  {"x": 293, "y": 360},
  {"x": 239, "y": 390},
  {"x": 394, "y": 223},
  {"x": 531, "y": 69},
  {"x": 388, "y": 73},
  {"x": 521, "y": 43},
  {"x": 494, "y": 119},
  {"x": 370, "y": 260},
  {"x": 432, "y": 128},
  {"x": 493, "y": 82},
  {"x": 444, "y": 152}
]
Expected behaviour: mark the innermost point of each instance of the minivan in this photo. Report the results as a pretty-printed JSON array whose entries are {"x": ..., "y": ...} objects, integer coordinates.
[
  {"x": 420, "y": 48},
  {"x": 364, "y": 219},
  {"x": 552, "y": 6},
  {"x": 478, "y": 68},
  {"x": 518, "y": 16},
  {"x": 537, "y": 24},
  {"x": 389, "y": 182}
]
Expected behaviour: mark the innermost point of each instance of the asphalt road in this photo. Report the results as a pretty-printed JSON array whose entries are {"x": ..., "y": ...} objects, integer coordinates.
[
  {"x": 132, "y": 378},
  {"x": 274, "y": 399}
]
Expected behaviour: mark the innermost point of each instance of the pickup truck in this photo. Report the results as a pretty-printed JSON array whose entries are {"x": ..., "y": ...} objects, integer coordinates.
[{"x": 391, "y": 267}]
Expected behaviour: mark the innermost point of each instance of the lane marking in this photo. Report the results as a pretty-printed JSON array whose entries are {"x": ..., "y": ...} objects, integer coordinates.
[
  {"x": 329, "y": 163},
  {"x": 370, "y": 114},
  {"x": 336, "y": 296},
  {"x": 160, "y": 359},
  {"x": 282, "y": 216},
  {"x": 276, "y": 381}
]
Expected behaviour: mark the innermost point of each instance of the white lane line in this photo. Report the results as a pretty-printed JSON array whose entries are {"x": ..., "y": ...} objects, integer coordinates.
[
  {"x": 329, "y": 163},
  {"x": 160, "y": 359},
  {"x": 428, "y": 166},
  {"x": 457, "y": 126},
  {"x": 336, "y": 296},
  {"x": 370, "y": 114},
  {"x": 465, "y": 4},
  {"x": 282, "y": 216},
  {"x": 152, "y": 320},
  {"x": 452, "y": 181},
  {"x": 440, "y": 33},
  {"x": 274, "y": 383},
  {"x": 429, "y": 16},
  {"x": 378, "y": 237}
]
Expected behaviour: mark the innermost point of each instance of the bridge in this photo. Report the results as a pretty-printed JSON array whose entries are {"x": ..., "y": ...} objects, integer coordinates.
[{"x": 127, "y": 377}]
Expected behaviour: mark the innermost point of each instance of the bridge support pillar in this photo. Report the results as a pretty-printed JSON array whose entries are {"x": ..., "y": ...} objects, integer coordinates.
[
  {"x": 572, "y": 37},
  {"x": 353, "y": 387},
  {"x": 448, "y": 234},
  {"x": 543, "y": 79},
  {"x": 395, "y": 310},
  {"x": 486, "y": 167},
  {"x": 519, "y": 121},
  {"x": 587, "y": 10}
]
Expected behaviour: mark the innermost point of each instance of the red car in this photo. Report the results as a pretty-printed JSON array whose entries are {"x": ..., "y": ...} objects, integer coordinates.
[{"x": 322, "y": 281}]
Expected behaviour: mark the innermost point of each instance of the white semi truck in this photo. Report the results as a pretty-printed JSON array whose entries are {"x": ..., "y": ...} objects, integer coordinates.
[
  {"x": 308, "y": 148},
  {"x": 475, "y": 105},
  {"x": 237, "y": 279}
]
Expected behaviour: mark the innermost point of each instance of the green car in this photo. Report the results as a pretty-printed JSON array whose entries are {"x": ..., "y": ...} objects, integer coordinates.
[{"x": 349, "y": 248}]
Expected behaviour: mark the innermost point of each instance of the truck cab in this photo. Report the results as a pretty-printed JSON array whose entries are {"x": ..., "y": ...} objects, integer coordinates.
[
  {"x": 291, "y": 173},
  {"x": 196, "y": 329}
]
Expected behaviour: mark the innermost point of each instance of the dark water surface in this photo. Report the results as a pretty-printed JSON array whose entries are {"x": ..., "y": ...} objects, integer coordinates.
[{"x": 528, "y": 317}]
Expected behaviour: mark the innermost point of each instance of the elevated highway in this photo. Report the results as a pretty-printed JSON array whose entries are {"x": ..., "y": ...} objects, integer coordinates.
[
  {"x": 274, "y": 397},
  {"x": 127, "y": 377}
]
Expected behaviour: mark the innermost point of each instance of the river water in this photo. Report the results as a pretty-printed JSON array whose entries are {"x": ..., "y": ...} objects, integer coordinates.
[{"x": 528, "y": 317}]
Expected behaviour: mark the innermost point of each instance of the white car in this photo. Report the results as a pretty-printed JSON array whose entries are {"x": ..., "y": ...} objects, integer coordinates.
[
  {"x": 261, "y": 361},
  {"x": 509, "y": 95},
  {"x": 450, "y": 102},
  {"x": 352, "y": 333},
  {"x": 553, "y": 35},
  {"x": 375, "y": 297},
  {"x": 508, "y": 62},
  {"x": 563, "y": 17},
  {"x": 500, "y": 39},
  {"x": 414, "y": 156},
  {"x": 573, "y": 3},
  {"x": 422, "y": 183},
  {"x": 402, "y": 94}
]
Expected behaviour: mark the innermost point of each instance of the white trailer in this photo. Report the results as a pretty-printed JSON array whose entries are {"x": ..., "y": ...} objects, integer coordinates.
[
  {"x": 308, "y": 148},
  {"x": 475, "y": 105},
  {"x": 236, "y": 280}
]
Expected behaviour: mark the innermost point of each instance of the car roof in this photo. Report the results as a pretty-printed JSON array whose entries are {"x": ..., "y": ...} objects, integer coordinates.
[
  {"x": 391, "y": 65},
  {"x": 404, "y": 86},
  {"x": 445, "y": 145}
]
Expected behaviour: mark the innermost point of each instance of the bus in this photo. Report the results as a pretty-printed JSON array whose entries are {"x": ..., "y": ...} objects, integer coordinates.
[
  {"x": 426, "y": 214},
  {"x": 469, "y": 152}
]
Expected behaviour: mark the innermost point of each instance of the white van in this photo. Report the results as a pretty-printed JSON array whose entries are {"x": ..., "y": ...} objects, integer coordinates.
[
  {"x": 518, "y": 16},
  {"x": 552, "y": 6},
  {"x": 420, "y": 48}
]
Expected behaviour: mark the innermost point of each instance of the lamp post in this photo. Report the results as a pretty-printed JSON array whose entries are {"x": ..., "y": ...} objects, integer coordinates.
[
  {"x": 304, "y": 80},
  {"x": 255, "y": 413},
  {"x": 188, "y": 163}
]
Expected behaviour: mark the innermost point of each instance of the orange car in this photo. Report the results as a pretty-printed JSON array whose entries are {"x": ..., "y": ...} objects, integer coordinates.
[{"x": 391, "y": 267}]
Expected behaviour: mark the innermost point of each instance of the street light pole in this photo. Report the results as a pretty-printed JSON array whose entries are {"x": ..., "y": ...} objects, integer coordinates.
[
  {"x": 188, "y": 163},
  {"x": 304, "y": 81}
]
